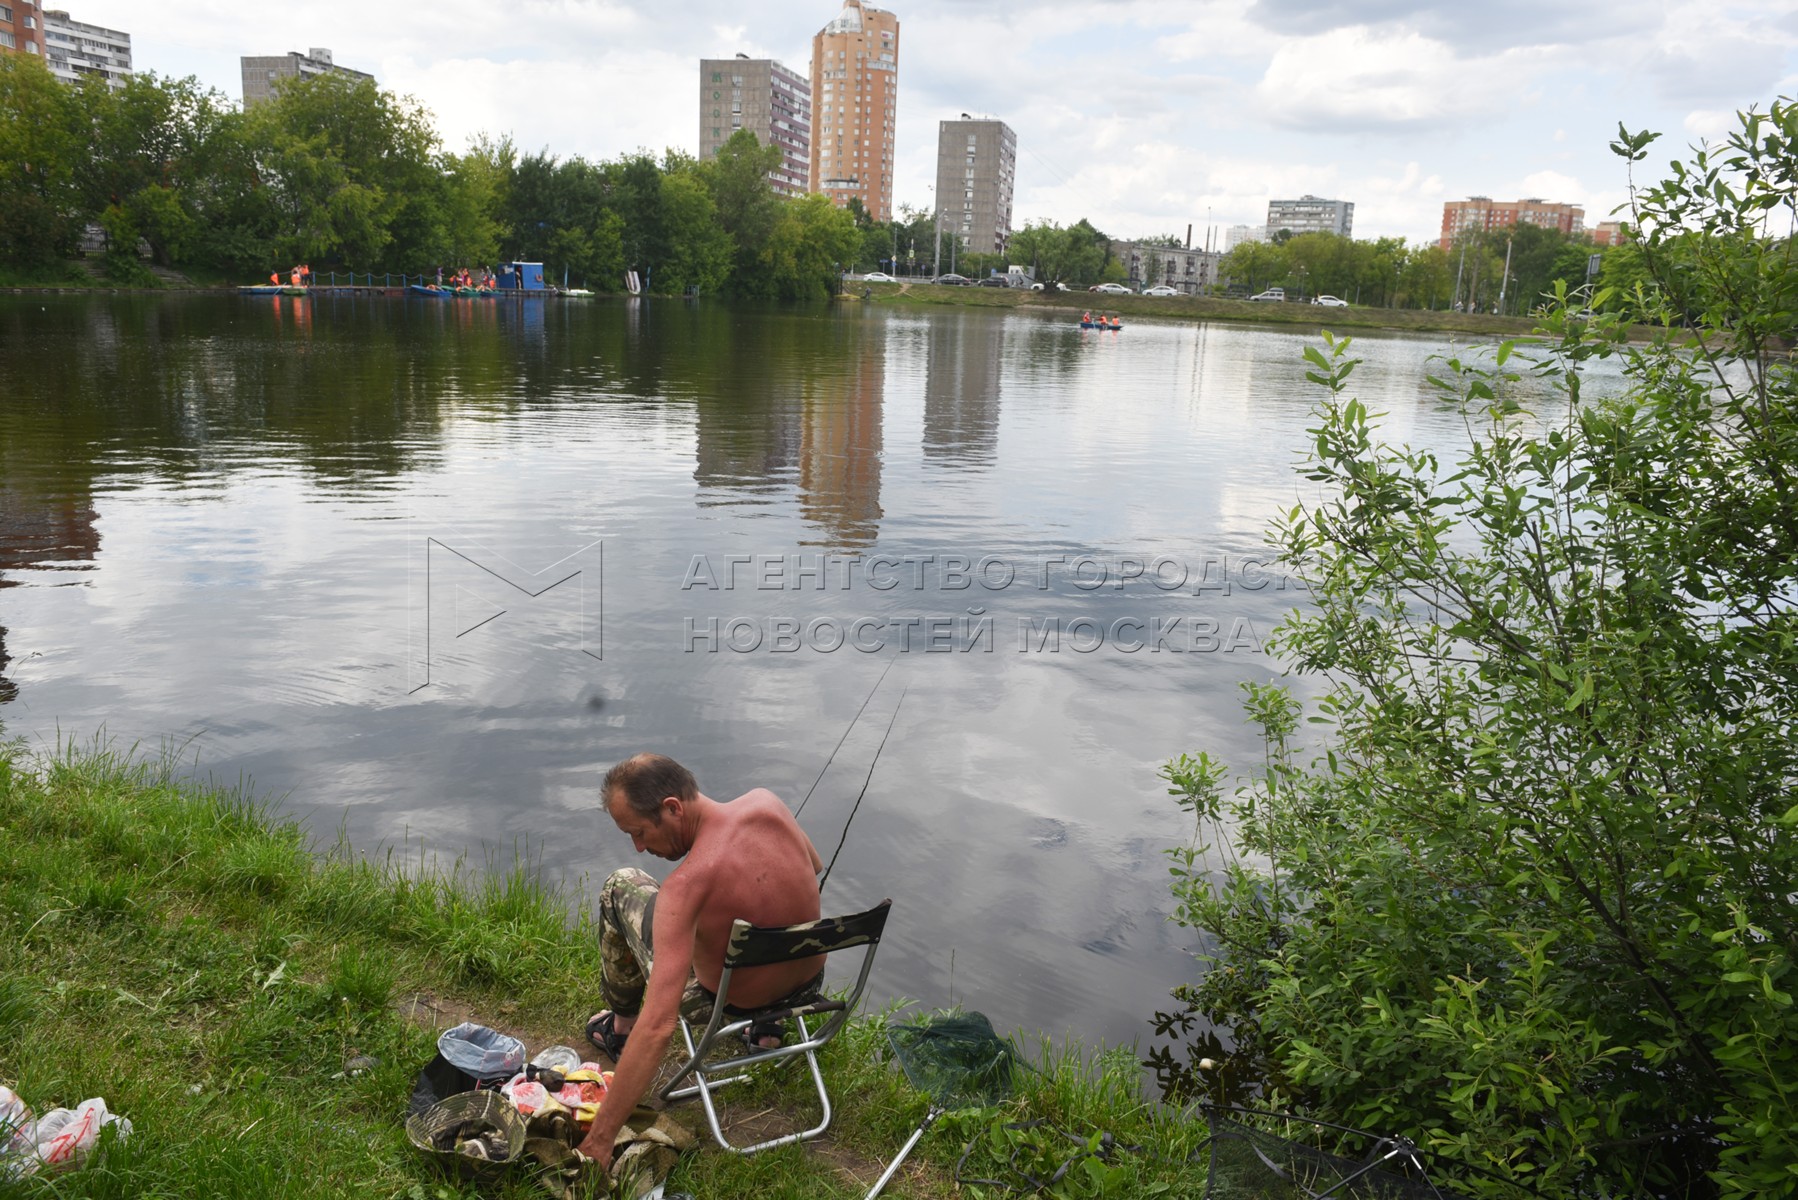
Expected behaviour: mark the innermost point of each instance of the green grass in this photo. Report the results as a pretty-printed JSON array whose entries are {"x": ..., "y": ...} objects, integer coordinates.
[
  {"x": 50, "y": 275},
  {"x": 186, "y": 953}
]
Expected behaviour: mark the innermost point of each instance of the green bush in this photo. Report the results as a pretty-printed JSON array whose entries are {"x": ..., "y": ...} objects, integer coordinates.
[{"x": 1532, "y": 902}]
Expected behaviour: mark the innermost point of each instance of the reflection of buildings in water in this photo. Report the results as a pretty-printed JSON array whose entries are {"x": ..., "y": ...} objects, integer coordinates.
[
  {"x": 754, "y": 438},
  {"x": 744, "y": 443},
  {"x": 840, "y": 448},
  {"x": 961, "y": 393},
  {"x": 41, "y": 532}
]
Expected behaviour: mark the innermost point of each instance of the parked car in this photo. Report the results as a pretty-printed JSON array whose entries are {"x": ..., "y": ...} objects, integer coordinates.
[
  {"x": 1277, "y": 295},
  {"x": 1110, "y": 289},
  {"x": 1330, "y": 302},
  {"x": 953, "y": 280},
  {"x": 991, "y": 281},
  {"x": 1057, "y": 286},
  {"x": 878, "y": 277},
  {"x": 1161, "y": 289}
]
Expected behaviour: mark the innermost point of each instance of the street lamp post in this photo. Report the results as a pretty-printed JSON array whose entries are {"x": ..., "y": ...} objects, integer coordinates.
[
  {"x": 1505, "y": 278},
  {"x": 936, "y": 258}
]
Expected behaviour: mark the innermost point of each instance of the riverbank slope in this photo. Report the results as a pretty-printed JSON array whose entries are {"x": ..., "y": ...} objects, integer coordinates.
[
  {"x": 188, "y": 954},
  {"x": 1206, "y": 308}
]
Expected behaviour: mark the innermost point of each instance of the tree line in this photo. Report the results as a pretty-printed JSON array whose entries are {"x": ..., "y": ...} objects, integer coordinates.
[
  {"x": 1507, "y": 270},
  {"x": 341, "y": 174}
]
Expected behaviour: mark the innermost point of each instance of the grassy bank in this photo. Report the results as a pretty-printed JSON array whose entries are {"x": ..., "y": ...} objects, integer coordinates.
[
  {"x": 1202, "y": 308},
  {"x": 189, "y": 955}
]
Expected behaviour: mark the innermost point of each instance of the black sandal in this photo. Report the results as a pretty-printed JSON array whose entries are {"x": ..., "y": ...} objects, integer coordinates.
[
  {"x": 754, "y": 1035},
  {"x": 602, "y": 1033}
]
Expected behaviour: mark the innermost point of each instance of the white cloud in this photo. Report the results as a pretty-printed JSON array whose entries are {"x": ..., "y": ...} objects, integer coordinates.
[
  {"x": 1364, "y": 79},
  {"x": 1705, "y": 52},
  {"x": 1551, "y": 186}
]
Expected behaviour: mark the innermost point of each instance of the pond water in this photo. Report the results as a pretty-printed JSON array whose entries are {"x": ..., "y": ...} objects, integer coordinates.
[{"x": 959, "y": 581}]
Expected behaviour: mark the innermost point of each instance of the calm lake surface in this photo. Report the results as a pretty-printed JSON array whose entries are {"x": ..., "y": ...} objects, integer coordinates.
[{"x": 424, "y": 569}]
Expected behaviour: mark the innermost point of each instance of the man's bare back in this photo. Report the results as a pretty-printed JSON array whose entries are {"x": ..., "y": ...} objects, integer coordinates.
[{"x": 749, "y": 862}]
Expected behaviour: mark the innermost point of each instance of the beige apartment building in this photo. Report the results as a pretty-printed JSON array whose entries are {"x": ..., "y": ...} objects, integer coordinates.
[
  {"x": 764, "y": 97},
  {"x": 976, "y": 163},
  {"x": 855, "y": 93},
  {"x": 263, "y": 73}
]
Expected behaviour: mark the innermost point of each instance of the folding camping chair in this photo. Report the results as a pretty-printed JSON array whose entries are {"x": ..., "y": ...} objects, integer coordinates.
[{"x": 753, "y": 946}]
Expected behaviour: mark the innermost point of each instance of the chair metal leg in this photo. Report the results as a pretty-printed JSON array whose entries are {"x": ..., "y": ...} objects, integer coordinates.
[{"x": 702, "y": 1087}]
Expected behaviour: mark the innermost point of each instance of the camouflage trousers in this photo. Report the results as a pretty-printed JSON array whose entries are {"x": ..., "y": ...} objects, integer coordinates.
[{"x": 627, "y": 909}]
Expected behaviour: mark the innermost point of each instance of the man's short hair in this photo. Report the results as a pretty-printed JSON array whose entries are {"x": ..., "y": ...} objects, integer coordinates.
[{"x": 644, "y": 780}]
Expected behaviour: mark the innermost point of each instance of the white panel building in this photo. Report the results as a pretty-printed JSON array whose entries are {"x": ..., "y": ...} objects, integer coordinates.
[
  {"x": 1311, "y": 214},
  {"x": 74, "y": 49}
]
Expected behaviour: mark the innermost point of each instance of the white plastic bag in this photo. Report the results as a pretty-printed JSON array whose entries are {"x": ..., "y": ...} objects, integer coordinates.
[
  {"x": 482, "y": 1052},
  {"x": 18, "y": 1136},
  {"x": 65, "y": 1137}
]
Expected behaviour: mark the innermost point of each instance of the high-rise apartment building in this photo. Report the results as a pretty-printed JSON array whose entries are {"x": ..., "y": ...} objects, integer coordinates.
[
  {"x": 1311, "y": 214},
  {"x": 976, "y": 162},
  {"x": 760, "y": 95},
  {"x": 1236, "y": 235},
  {"x": 1481, "y": 212},
  {"x": 855, "y": 93},
  {"x": 74, "y": 49},
  {"x": 262, "y": 73},
  {"x": 21, "y": 27}
]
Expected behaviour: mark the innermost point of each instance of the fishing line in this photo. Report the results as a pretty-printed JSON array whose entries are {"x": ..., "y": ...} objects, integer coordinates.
[
  {"x": 852, "y": 723},
  {"x": 858, "y": 799}
]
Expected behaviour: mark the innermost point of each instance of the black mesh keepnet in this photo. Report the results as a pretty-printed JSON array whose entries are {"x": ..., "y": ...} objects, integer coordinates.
[
  {"x": 955, "y": 1059},
  {"x": 1252, "y": 1164}
]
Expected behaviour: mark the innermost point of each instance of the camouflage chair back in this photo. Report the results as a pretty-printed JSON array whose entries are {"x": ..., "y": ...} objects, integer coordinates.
[{"x": 754, "y": 946}]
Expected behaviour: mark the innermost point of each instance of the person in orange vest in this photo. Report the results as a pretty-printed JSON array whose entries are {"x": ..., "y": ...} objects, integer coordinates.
[
  {"x": 1086, "y": 318},
  {"x": 274, "y": 277},
  {"x": 1115, "y": 323},
  {"x": 295, "y": 276}
]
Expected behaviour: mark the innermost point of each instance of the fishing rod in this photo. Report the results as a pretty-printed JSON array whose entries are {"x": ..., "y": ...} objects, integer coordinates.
[
  {"x": 853, "y": 721},
  {"x": 825, "y": 878}
]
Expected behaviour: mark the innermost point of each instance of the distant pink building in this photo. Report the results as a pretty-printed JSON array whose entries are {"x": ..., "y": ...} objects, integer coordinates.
[{"x": 1481, "y": 212}]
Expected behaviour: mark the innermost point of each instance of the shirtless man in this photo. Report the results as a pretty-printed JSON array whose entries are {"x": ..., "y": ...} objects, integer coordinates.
[{"x": 746, "y": 859}]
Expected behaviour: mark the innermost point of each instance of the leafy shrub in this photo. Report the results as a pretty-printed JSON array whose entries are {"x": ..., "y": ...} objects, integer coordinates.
[{"x": 1533, "y": 903}]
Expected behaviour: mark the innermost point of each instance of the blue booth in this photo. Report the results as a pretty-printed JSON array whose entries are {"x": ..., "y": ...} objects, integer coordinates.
[{"x": 521, "y": 277}]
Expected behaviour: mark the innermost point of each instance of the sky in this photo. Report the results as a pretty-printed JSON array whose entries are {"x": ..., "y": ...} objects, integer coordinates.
[{"x": 1142, "y": 117}]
